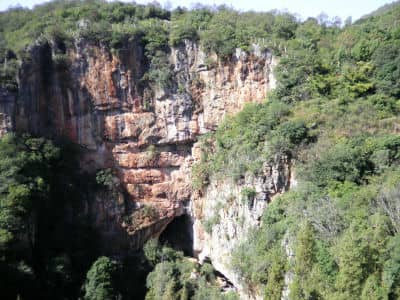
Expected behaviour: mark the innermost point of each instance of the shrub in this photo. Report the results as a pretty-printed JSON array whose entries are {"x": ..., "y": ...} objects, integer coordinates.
[
  {"x": 342, "y": 162},
  {"x": 219, "y": 36},
  {"x": 105, "y": 178},
  {"x": 172, "y": 278},
  {"x": 159, "y": 71},
  {"x": 200, "y": 176},
  {"x": 182, "y": 28},
  {"x": 286, "y": 138},
  {"x": 210, "y": 222},
  {"x": 207, "y": 270},
  {"x": 152, "y": 152},
  {"x": 238, "y": 144},
  {"x": 152, "y": 251},
  {"x": 248, "y": 195}
]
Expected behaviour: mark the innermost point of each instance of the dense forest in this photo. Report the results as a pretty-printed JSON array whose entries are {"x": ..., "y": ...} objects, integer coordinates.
[{"x": 334, "y": 112}]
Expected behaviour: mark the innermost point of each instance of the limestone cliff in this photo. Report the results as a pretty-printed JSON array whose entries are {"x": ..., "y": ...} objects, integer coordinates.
[
  {"x": 143, "y": 132},
  {"x": 234, "y": 215}
]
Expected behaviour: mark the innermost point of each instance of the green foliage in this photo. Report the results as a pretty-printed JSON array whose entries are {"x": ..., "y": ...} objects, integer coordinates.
[
  {"x": 295, "y": 73},
  {"x": 386, "y": 59},
  {"x": 173, "y": 277},
  {"x": 339, "y": 126},
  {"x": 248, "y": 194},
  {"x": 152, "y": 152},
  {"x": 207, "y": 270},
  {"x": 24, "y": 171},
  {"x": 205, "y": 291},
  {"x": 388, "y": 203},
  {"x": 105, "y": 178},
  {"x": 267, "y": 264},
  {"x": 391, "y": 268},
  {"x": 8, "y": 72},
  {"x": 353, "y": 160},
  {"x": 219, "y": 35},
  {"x": 335, "y": 111},
  {"x": 61, "y": 61},
  {"x": 38, "y": 182},
  {"x": 373, "y": 289},
  {"x": 200, "y": 175},
  {"x": 304, "y": 249},
  {"x": 325, "y": 261},
  {"x": 334, "y": 115},
  {"x": 115, "y": 24},
  {"x": 238, "y": 144},
  {"x": 286, "y": 138},
  {"x": 211, "y": 221},
  {"x": 159, "y": 71},
  {"x": 285, "y": 26},
  {"x": 184, "y": 25},
  {"x": 100, "y": 280},
  {"x": 356, "y": 79},
  {"x": 340, "y": 163},
  {"x": 276, "y": 271},
  {"x": 354, "y": 259},
  {"x": 152, "y": 251}
]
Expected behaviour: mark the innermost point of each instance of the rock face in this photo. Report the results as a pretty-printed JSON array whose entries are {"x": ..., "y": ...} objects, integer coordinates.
[
  {"x": 143, "y": 132},
  {"x": 234, "y": 215}
]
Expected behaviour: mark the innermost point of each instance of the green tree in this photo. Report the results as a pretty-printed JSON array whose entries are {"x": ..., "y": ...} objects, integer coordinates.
[
  {"x": 391, "y": 269},
  {"x": 220, "y": 33},
  {"x": 354, "y": 260},
  {"x": 100, "y": 280},
  {"x": 305, "y": 252},
  {"x": 373, "y": 289}
]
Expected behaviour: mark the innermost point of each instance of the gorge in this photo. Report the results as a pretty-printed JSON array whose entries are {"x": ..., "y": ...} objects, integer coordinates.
[
  {"x": 202, "y": 153},
  {"x": 145, "y": 135}
]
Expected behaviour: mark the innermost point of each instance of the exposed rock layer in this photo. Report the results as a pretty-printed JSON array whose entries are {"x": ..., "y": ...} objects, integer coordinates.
[{"x": 143, "y": 132}]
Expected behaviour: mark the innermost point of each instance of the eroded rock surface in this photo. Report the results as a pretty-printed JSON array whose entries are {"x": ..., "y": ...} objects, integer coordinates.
[
  {"x": 234, "y": 216},
  {"x": 143, "y": 132}
]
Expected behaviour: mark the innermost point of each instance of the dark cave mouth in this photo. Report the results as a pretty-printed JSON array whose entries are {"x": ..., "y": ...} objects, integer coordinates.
[{"x": 179, "y": 235}]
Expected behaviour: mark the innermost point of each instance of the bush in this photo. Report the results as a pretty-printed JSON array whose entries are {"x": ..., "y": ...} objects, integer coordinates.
[
  {"x": 8, "y": 75},
  {"x": 200, "y": 176},
  {"x": 182, "y": 28},
  {"x": 152, "y": 251},
  {"x": 286, "y": 138},
  {"x": 100, "y": 280},
  {"x": 248, "y": 195},
  {"x": 219, "y": 36},
  {"x": 237, "y": 146},
  {"x": 173, "y": 279},
  {"x": 105, "y": 178},
  {"x": 210, "y": 222},
  {"x": 342, "y": 162},
  {"x": 159, "y": 72}
]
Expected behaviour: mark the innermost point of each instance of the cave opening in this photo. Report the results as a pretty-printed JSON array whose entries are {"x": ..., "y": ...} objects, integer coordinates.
[{"x": 179, "y": 235}]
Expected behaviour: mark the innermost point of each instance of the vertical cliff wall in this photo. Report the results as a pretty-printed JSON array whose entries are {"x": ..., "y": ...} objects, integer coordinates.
[
  {"x": 143, "y": 132},
  {"x": 225, "y": 216}
]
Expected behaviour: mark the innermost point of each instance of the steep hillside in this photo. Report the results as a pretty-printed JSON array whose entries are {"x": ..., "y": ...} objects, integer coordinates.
[{"x": 334, "y": 115}]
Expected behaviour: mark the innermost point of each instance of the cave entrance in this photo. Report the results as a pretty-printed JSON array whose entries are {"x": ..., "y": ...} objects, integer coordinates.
[{"x": 179, "y": 235}]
